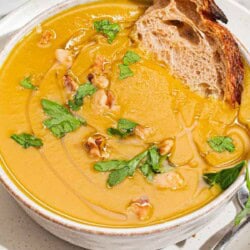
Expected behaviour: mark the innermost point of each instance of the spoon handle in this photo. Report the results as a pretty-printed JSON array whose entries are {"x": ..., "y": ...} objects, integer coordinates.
[{"x": 234, "y": 231}]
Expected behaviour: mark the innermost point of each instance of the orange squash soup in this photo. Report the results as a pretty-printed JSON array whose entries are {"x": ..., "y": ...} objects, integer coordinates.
[{"x": 98, "y": 131}]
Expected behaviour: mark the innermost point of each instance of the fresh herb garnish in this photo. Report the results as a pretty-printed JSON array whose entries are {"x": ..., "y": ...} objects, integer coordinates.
[
  {"x": 224, "y": 178},
  {"x": 124, "y": 128},
  {"x": 147, "y": 171},
  {"x": 61, "y": 121},
  {"x": 155, "y": 164},
  {"x": 27, "y": 83},
  {"x": 120, "y": 170},
  {"x": 125, "y": 72},
  {"x": 147, "y": 162},
  {"x": 27, "y": 140},
  {"x": 221, "y": 144},
  {"x": 246, "y": 211},
  {"x": 129, "y": 59},
  {"x": 107, "y": 166},
  {"x": 110, "y": 30},
  {"x": 117, "y": 176},
  {"x": 154, "y": 159},
  {"x": 84, "y": 90}
]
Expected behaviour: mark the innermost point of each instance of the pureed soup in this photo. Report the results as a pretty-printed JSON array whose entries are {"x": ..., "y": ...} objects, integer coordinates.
[{"x": 98, "y": 131}]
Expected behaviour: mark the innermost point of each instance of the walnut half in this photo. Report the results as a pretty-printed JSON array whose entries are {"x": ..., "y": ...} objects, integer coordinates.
[
  {"x": 141, "y": 209},
  {"x": 96, "y": 146},
  {"x": 70, "y": 83},
  {"x": 104, "y": 99},
  {"x": 64, "y": 57}
]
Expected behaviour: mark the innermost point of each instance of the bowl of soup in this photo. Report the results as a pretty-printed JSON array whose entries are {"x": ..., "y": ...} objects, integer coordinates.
[{"x": 100, "y": 144}]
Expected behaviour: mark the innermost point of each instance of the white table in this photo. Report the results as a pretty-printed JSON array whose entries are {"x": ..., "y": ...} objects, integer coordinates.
[{"x": 19, "y": 232}]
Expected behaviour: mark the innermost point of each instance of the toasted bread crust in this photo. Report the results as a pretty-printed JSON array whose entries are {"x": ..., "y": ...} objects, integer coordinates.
[
  {"x": 204, "y": 15},
  {"x": 235, "y": 69},
  {"x": 234, "y": 66},
  {"x": 211, "y": 10},
  {"x": 232, "y": 56}
]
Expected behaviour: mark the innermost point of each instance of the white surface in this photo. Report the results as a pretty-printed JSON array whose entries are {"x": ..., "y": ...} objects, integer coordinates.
[
  {"x": 31, "y": 9},
  {"x": 9, "y": 5},
  {"x": 19, "y": 232}
]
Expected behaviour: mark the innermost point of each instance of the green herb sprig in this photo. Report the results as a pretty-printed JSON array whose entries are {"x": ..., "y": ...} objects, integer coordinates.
[
  {"x": 129, "y": 59},
  {"x": 224, "y": 178},
  {"x": 110, "y": 30},
  {"x": 27, "y": 83},
  {"x": 27, "y": 140},
  {"x": 150, "y": 162},
  {"x": 221, "y": 144},
  {"x": 124, "y": 128},
  {"x": 246, "y": 211},
  {"x": 61, "y": 121},
  {"x": 87, "y": 89}
]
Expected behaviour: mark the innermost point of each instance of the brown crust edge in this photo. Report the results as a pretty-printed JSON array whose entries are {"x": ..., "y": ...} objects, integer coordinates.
[
  {"x": 234, "y": 67},
  {"x": 213, "y": 12},
  {"x": 210, "y": 13},
  {"x": 233, "y": 61}
]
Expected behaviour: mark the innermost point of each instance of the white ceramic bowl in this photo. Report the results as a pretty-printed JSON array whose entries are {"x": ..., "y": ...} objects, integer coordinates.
[
  {"x": 7, "y": 5},
  {"x": 91, "y": 237}
]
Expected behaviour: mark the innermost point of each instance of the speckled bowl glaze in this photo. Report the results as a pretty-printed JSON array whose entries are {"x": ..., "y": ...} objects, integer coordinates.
[{"x": 92, "y": 237}]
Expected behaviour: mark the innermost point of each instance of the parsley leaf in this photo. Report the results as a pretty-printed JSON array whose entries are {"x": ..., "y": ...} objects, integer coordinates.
[
  {"x": 221, "y": 144},
  {"x": 246, "y": 211},
  {"x": 84, "y": 90},
  {"x": 155, "y": 164},
  {"x": 116, "y": 177},
  {"x": 135, "y": 162},
  {"x": 125, "y": 169},
  {"x": 120, "y": 170},
  {"x": 124, "y": 128},
  {"x": 131, "y": 58},
  {"x": 126, "y": 125},
  {"x": 147, "y": 171},
  {"x": 110, "y": 30},
  {"x": 125, "y": 72},
  {"x": 61, "y": 121},
  {"x": 27, "y": 140},
  {"x": 107, "y": 166},
  {"x": 114, "y": 132},
  {"x": 154, "y": 159},
  {"x": 224, "y": 178},
  {"x": 27, "y": 83}
]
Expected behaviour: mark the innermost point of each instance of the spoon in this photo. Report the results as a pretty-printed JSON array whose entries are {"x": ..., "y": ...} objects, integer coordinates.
[
  {"x": 220, "y": 240},
  {"x": 242, "y": 197}
]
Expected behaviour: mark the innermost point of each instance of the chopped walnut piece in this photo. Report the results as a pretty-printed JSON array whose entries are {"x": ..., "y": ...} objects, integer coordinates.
[
  {"x": 99, "y": 64},
  {"x": 100, "y": 98},
  {"x": 143, "y": 132},
  {"x": 110, "y": 99},
  {"x": 171, "y": 180},
  {"x": 166, "y": 146},
  {"x": 90, "y": 77},
  {"x": 141, "y": 208},
  {"x": 96, "y": 146},
  {"x": 104, "y": 99},
  {"x": 98, "y": 75},
  {"x": 100, "y": 81},
  {"x": 69, "y": 83},
  {"x": 64, "y": 57},
  {"x": 46, "y": 37}
]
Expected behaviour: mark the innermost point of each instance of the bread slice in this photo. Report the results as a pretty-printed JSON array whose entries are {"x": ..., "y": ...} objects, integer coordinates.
[{"x": 186, "y": 36}]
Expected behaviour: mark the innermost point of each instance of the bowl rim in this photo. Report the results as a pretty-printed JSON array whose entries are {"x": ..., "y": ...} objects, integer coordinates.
[{"x": 28, "y": 203}]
